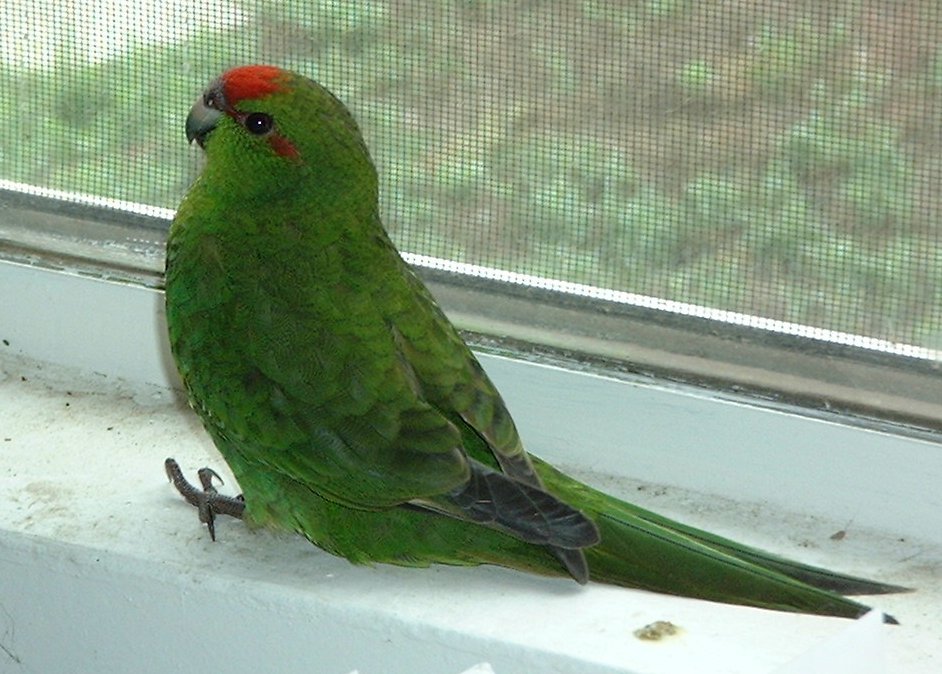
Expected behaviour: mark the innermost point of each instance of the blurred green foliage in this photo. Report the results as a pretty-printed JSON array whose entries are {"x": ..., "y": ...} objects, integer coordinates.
[{"x": 779, "y": 159}]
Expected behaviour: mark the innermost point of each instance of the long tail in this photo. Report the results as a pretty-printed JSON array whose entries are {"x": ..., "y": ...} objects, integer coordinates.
[
  {"x": 644, "y": 550},
  {"x": 637, "y": 548}
]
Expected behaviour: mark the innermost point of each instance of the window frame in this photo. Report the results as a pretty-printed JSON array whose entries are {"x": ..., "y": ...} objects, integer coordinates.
[
  {"x": 646, "y": 438},
  {"x": 879, "y": 385}
]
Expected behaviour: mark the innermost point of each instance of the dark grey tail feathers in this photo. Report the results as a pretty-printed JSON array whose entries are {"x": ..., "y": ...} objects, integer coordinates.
[{"x": 528, "y": 513}]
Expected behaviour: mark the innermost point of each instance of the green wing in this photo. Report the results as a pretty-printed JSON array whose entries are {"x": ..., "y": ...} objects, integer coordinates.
[{"x": 370, "y": 398}]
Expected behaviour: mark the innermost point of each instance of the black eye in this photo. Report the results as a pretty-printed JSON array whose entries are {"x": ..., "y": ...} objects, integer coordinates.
[{"x": 258, "y": 123}]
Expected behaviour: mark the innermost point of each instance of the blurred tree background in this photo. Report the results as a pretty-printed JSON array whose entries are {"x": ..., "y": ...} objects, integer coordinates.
[{"x": 771, "y": 158}]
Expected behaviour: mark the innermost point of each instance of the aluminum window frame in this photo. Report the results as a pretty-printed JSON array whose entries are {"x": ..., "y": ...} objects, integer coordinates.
[{"x": 858, "y": 379}]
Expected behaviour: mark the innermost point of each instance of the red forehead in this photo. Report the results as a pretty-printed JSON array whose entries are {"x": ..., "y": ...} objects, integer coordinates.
[{"x": 249, "y": 82}]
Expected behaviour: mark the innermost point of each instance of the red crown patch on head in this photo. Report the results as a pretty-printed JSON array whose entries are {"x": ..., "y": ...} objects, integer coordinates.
[{"x": 250, "y": 82}]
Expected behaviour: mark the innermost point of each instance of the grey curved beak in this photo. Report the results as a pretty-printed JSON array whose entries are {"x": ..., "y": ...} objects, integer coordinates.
[{"x": 201, "y": 121}]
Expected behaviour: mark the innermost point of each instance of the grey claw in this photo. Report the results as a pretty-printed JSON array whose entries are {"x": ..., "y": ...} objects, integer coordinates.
[
  {"x": 207, "y": 500},
  {"x": 206, "y": 476}
]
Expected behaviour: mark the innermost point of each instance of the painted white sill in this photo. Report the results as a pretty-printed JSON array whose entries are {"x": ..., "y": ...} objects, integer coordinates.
[{"x": 103, "y": 567}]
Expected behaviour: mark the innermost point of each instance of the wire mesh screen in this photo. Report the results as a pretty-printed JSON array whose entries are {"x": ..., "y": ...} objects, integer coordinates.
[{"x": 776, "y": 159}]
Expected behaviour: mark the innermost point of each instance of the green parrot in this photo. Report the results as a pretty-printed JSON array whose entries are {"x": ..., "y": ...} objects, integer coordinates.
[{"x": 350, "y": 409}]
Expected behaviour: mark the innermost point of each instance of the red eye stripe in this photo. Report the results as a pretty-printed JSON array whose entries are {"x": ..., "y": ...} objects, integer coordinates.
[
  {"x": 283, "y": 147},
  {"x": 251, "y": 82}
]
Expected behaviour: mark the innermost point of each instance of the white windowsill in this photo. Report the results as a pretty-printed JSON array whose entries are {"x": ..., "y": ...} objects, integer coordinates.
[{"x": 103, "y": 568}]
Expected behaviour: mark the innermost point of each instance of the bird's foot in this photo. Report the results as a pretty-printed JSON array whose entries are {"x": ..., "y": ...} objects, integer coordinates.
[{"x": 207, "y": 500}]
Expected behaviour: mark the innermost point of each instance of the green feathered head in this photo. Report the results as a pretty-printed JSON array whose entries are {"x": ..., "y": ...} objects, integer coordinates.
[{"x": 264, "y": 127}]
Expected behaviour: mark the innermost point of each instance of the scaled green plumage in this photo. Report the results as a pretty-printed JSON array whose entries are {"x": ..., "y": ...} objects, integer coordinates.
[{"x": 347, "y": 405}]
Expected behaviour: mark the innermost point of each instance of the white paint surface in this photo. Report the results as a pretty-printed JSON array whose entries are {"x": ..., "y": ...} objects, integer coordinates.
[{"x": 103, "y": 568}]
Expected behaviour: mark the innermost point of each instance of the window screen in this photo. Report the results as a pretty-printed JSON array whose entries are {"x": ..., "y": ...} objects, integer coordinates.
[{"x": 777, "y": 160}]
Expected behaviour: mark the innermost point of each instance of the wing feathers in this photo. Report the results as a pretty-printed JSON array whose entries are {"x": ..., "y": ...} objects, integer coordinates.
[{"x": 529, "y": 513}]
